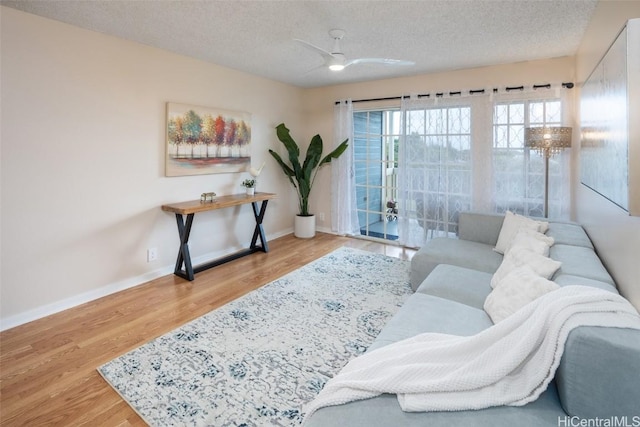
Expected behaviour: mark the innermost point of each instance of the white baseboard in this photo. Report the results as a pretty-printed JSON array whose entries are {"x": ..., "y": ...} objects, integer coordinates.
[
  {"x": 326, "y": 230},
  {"x": 121, "y": 285},
  {"x": 85, "y": 297}
]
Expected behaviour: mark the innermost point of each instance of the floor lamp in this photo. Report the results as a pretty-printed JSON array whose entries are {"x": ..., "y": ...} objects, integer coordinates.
[{"x": 547, "y": 141}]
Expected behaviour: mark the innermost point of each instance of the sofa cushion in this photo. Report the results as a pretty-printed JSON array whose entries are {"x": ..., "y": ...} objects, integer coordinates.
[
  {"x": 517, "y": 257},
  {"x": 510, "y": 227},
  {"x": 462, "y": 253},
  {"x": 580, "y": 261},
  {"x": 532, "y": 240},
  {"x": 599, "y": 373},
  {"x": 385, "y": 411},
  {"x": 426, "y": 313},
  {"x": 518, "y": 288},
  {"x": 480, "y": 227},
  {"x": 570, "y": 280},
  {"x": 463, "y": 285},
  {"x": 564, "y": 233}
]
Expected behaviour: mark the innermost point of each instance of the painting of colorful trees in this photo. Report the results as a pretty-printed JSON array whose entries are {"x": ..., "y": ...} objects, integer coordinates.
[{"x": 203, "y": 140}]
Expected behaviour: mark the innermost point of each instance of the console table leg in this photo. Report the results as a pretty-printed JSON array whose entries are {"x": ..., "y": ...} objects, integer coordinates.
[
  {"x": 185, "y": 213},
  {"x": 258, "y": 231},
  {"x": 184, "y": 230}
]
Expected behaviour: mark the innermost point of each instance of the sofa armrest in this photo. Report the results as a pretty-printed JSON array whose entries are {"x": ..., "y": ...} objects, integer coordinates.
[
  {"x": 480, "y": 227},
  {"x": 599, "y": 373}
]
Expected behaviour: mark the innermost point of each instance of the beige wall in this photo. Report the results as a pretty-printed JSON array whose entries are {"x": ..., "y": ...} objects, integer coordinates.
[
  {"x": 83, "y": 118},
  {"x": 319, "y": 103},
  {"x": 614, "y": 232},
  {"x": 82, "y": 160}
]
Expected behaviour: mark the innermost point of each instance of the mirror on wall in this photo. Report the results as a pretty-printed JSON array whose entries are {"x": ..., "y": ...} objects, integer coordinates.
[{"x": 606, "y": 104}]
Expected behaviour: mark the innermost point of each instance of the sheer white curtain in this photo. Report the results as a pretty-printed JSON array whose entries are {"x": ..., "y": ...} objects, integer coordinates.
[
  {"x": 443, "y": 153},
  {"x": 518, "y": 183},
  {"x": 461, "y": 153},
  {"x": 344, "y": 214}
]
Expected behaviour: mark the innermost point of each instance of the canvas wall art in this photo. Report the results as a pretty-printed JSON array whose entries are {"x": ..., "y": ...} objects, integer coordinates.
[{"x": 203, "y": 140}]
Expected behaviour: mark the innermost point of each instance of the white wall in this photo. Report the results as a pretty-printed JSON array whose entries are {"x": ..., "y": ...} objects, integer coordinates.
[
  {"x": 614, "y": 232},
  {"x": 82, "y": 162}
]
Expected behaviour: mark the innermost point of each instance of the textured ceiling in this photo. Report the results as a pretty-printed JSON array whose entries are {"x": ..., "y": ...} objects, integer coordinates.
[{"x": 257, "y": 36}]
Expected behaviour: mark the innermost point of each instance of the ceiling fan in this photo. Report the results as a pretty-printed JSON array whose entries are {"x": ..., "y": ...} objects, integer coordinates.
[{"x": 337, "y": 61}]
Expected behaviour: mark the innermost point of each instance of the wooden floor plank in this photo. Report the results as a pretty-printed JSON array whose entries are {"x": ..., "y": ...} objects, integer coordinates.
[{"x": 48, "y": 367}]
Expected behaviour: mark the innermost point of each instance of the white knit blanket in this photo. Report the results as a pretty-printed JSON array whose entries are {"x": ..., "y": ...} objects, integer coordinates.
[{"x": 510, "y": 363}]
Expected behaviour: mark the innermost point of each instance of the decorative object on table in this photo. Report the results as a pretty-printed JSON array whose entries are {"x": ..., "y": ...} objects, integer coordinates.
[
  {"x": 302, "y": 176},
  {"x": 207, "y": 197},
  {"x": 250, "y": 185},
  {"x": 256, "y": 172},
  {"x": 202, "y": 140},
  {"x": 242, "y": 364},
  {"x": 547, "y": 141}
]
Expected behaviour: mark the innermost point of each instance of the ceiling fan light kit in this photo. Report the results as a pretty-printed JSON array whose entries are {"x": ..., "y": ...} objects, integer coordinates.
[
  {"x": 336, "y": 59},
  {"x": 337, "y": 62}
]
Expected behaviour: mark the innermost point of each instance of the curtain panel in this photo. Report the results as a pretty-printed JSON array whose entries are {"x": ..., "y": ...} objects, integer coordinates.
[
  {"x": 445, "y": 143},
  {"x": 518, "y": 171},
  {"x": 344, "y": 215},
  {"x": 460, "y": 153}
]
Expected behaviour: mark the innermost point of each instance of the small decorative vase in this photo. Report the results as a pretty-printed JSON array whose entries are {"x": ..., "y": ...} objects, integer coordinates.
[{"x": 251, "y": 191}]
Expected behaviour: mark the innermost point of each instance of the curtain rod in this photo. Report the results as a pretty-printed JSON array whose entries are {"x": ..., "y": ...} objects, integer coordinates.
[{"x": 568, "y": 85}]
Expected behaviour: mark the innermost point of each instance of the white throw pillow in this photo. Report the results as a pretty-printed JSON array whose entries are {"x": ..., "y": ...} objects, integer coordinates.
[
  {"x": 512, "y": 224},
  {"x": 517, "y": 289},
  {"x": 518, "y": 257},
  {"x": 533, "y": 240}
]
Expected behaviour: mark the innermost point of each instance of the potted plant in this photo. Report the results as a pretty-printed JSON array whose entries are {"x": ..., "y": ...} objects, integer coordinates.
[
  {"x": 302, "y": 176},
  {"x": 250, "y": 185}
]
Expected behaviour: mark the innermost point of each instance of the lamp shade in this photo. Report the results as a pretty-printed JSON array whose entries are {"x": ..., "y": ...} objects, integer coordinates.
[{"x": 548, "y": 140}]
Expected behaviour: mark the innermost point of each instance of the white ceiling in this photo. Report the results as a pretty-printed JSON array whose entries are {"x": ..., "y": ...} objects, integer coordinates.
[{"x": 257, "y": 36}]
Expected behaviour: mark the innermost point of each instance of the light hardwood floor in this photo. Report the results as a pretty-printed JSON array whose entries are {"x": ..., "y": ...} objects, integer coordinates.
[{"x": 48, "y": 367}]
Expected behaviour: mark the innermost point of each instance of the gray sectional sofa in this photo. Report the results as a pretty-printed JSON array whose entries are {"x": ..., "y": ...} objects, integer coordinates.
[{"x": 599, "y": 374}]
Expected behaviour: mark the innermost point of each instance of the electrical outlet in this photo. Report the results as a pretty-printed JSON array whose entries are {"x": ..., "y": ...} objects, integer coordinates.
[
  {"x": 152, "y": 254},
  {"x": 321, "y": 216}
]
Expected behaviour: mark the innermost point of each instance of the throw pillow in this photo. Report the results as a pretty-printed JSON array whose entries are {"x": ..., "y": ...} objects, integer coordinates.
[
  {"x": 517, "y": 289},
  {"x": 534, "y": 240},
  {"x": 518, "y": 257},
  {"x": 512, "y": 224}
]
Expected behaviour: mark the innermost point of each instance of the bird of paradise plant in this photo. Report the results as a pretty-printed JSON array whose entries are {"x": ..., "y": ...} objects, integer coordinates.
[{"x": 302, "y": 176}]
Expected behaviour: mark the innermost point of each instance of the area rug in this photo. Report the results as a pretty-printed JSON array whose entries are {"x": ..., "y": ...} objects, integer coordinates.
[{"x": 257, "y": 360}]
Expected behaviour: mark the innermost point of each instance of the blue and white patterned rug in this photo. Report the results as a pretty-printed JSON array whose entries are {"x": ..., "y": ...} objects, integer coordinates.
[{"x": 257, "y": 360}]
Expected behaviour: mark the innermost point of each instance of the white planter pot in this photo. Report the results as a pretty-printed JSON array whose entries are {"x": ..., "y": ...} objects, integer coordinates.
[
  {"x": 251, "y": 191},
  {"x": 305, "y": 226}
]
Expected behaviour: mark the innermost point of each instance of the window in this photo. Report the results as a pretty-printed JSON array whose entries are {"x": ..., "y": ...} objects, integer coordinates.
[
  {"x": 438, "y": 166},
  {"x": 519, "y": 172},
  {"x": 418, "y": 167}
]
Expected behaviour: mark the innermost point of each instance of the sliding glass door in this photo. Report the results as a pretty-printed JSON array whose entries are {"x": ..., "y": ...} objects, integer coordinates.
[{"x": 376, "y": 136}]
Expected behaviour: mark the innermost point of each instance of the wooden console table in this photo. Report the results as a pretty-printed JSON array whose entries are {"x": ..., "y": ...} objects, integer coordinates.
[{"x": 192, "y": 207}]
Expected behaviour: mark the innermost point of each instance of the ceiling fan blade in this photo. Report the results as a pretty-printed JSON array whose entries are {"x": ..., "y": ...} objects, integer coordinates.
[
  {"x": 326, "y": 55},
  {"x": 321, "y": 66},
  {"x": 383, "y": 61},
  {"x": 337, "y": 61}
]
